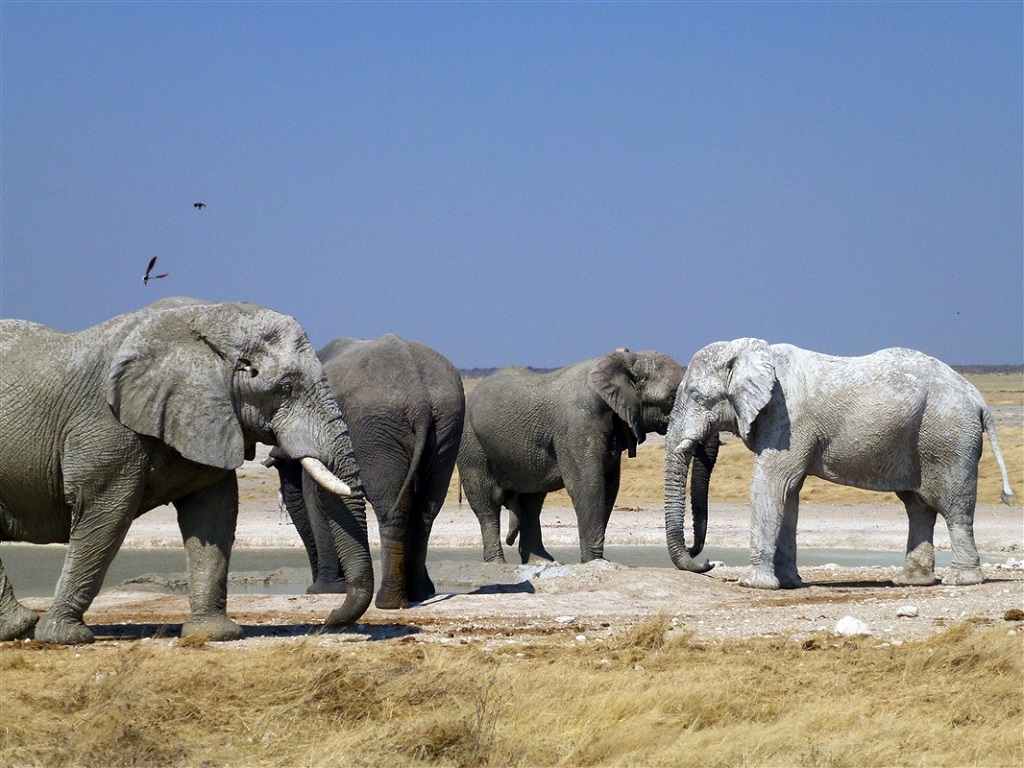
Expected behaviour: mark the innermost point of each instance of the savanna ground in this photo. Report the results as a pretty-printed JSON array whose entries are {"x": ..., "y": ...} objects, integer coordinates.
[{"x": 568, "y": 665}]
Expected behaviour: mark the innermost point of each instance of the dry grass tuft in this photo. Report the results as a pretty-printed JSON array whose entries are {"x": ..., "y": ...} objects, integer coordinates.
[{"x": 647, "y": 696}]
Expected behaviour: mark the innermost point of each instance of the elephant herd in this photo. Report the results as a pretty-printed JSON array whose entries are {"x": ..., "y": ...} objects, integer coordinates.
[{"x": 162, "y": 405}]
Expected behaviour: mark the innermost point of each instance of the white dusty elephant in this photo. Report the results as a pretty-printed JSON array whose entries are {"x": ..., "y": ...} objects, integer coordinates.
[
  {"x": 405, "y": 406},
  {"x": 895, "y": 420},
  {"x": 160, "y": 406},
  {"x": 529, "y": 433}
]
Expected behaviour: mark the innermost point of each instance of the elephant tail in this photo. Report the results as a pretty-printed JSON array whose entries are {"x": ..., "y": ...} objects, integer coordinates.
[
  {"x": 422, "y": 422},
  {"x": 990, "y": 426}
]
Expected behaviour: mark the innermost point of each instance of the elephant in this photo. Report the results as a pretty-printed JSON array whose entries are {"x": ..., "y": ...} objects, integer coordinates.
[
  {"x": 894, "y": 420},
  {"x": 156, "y": 406},
  {"x": 405, "y": 406},
  {"x": 530, "y": 433}
]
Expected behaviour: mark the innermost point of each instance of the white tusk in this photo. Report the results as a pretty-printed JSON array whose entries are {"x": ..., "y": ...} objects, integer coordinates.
[
  {"x": 325, "y": 477},
  {"x": 685, "y": 445}
]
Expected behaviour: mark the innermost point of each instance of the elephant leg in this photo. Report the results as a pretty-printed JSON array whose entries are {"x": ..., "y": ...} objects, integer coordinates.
[
  {"x": 290, "y": 473},
  {"x": 919, "y": 565},
  {"x": 589, "y": 493},
  {"x": 531, "y": 545},
  {"x": 102, "y": 517},
  {"x": 207, "y": 521},
  {"x": 426, "y": 506},
  {"x": 15, "y": 619},
  {"x": 785, "y": 550},
  {"x": 767, "y": 508},
  {"x": 328, "y": 577},
  {"x": 486, "y": 499},
  {"x": 966, "y": 566}
]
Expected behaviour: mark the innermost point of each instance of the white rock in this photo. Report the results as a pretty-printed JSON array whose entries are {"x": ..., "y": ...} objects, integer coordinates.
[
  {"x": 581, "y": 638},
  {"x": 907, "y": 611},
  {"x": 848, "y": 626},
  {"x": 565, "y": 619}
]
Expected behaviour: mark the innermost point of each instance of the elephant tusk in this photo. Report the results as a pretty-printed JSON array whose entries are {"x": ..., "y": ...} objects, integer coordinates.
[
  {"x": 325, "y": 477},
  {"x": 685, "y": 446}
]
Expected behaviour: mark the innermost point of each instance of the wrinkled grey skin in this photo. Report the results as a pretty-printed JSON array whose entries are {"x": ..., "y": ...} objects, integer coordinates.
[
  {"x": 896, "y": 420},
  {"x": 405, "y": 406},
  {"x": 160, "y": 406},
  {"x": 528, "y": 434}
]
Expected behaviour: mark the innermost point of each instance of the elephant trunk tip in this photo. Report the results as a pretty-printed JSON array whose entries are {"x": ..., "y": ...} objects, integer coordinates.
[
  {"x": 1007, "y": 497},
  {"x": 687, "y": 563}
]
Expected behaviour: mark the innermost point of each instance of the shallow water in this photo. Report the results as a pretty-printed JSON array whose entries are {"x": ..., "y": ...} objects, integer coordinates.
[{"x": 33, "y": 570}]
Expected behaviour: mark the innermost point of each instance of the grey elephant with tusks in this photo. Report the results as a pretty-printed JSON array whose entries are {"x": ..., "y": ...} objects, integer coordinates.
[
  {"x": 405, "y": 407},
  {"x": 160, "y": 406},
  {"x": 529, "y": 433},
  {"x": 895, "y": 420}
]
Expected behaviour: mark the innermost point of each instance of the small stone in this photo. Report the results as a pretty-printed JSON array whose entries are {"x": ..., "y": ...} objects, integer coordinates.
[
  {"x": 848, "y": 626},
  {"x": 907, "y": 611},
  {"x": 581, "y": 638},
  {"x": 565, "y": 619}
]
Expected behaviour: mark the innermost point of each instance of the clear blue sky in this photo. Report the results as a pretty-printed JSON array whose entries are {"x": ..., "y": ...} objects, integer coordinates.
[{"x": 526, "y": 183}]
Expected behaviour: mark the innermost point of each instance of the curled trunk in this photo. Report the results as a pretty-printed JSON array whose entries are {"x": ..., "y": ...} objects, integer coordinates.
[{"x": 677, "y": 465}]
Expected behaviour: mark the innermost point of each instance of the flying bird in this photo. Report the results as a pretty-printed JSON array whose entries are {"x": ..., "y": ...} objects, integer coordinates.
[
  {"x": 147, "y": 277},
  {"x": 199, "y": 206}
]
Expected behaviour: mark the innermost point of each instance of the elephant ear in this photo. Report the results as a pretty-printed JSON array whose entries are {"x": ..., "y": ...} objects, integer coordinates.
[
  {"x": 751, "y": 378},
  {"x": 611, "y": 379},
  {"x": 168, "y": 380}
]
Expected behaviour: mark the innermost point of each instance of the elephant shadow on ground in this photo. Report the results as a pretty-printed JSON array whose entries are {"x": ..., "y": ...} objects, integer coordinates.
[
  {"x": 524, "y": 587},
  {"x": 869, "y": 583},
  {"x": 363, "y": 632}
]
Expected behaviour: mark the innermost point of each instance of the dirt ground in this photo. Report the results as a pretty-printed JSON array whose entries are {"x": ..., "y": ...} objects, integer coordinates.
[{"x": 511, "y": 603}]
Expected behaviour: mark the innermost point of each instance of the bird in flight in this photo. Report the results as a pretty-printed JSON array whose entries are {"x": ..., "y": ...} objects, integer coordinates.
[
  {"x": 149, "y": 269},
  {"x": 199, "y": 206}
]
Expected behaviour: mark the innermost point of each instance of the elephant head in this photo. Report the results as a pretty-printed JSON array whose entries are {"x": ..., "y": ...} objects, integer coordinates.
[
  {"x": 726, "y": 386},
  {"x": 640, "y": 388},
  {"x": 212, "y": 380}
]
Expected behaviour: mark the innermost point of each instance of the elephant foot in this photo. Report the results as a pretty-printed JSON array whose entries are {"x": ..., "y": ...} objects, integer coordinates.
[
  {"x": 326, "y": 587},
  {"x": 962, "y": 577},
  {"x": 914, "y": 577},
  {"x": 790, "y": 580},
  {"x": 421, "y": 589},
  {"x": 494, "y": 557},
  {"x": 214, "y": 628},
  {"x": 17, "y": 621},
  {"x": 62, "y": 632},
  {"x": 391, "y": 599},
  {"x": 756, "y": 578}
]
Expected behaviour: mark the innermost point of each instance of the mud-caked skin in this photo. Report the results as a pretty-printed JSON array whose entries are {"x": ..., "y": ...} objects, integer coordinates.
[
  {"x": 895, "y": 420},
  {"x": 153, "y": 407},
  {"x": 404, "y": 404},
  {"x": 528, "y": 434}
]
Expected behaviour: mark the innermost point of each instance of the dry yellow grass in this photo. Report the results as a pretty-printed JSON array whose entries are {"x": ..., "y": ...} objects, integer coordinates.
[
  {"x": 643, "y": 477},
  {"x": 646, "y": 696}
]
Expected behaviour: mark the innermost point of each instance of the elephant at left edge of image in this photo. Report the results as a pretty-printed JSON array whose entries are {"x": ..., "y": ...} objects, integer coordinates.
[
  {"x": 160, "y": 406},
  {"x": 404, "y": 405}
]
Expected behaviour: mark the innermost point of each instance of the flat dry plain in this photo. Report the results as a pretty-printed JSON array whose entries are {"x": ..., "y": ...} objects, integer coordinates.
[{"x": 596, "y": 664}]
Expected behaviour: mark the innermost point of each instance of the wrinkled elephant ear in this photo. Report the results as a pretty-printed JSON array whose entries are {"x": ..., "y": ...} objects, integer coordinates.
[
  {"x": 168, "y": 380},
  {"x": 751, "y": 380},
  {"x": 613, "y": 382}
]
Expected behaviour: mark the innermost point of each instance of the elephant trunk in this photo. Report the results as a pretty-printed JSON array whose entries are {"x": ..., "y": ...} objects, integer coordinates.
[
  {"x": 346, "y": 519},
  {"x": 677, "y": 465}
]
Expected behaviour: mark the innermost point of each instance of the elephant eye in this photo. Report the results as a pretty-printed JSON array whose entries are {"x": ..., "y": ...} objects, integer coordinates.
[
  {"x": 244, "y": 364},
  {"x": 286, "y": 385}
]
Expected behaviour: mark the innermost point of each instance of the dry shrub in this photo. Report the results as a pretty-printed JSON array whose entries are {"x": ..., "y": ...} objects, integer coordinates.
[{"x": 635, "y": 699}]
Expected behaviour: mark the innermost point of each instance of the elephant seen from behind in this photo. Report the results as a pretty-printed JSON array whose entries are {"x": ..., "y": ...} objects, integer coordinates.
[
  {"x": 528, "y": 434},
  {"x": 405, "y": 407},
  {"x": 895, "y": 420},
  {"x": 159, "y": 406}
]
